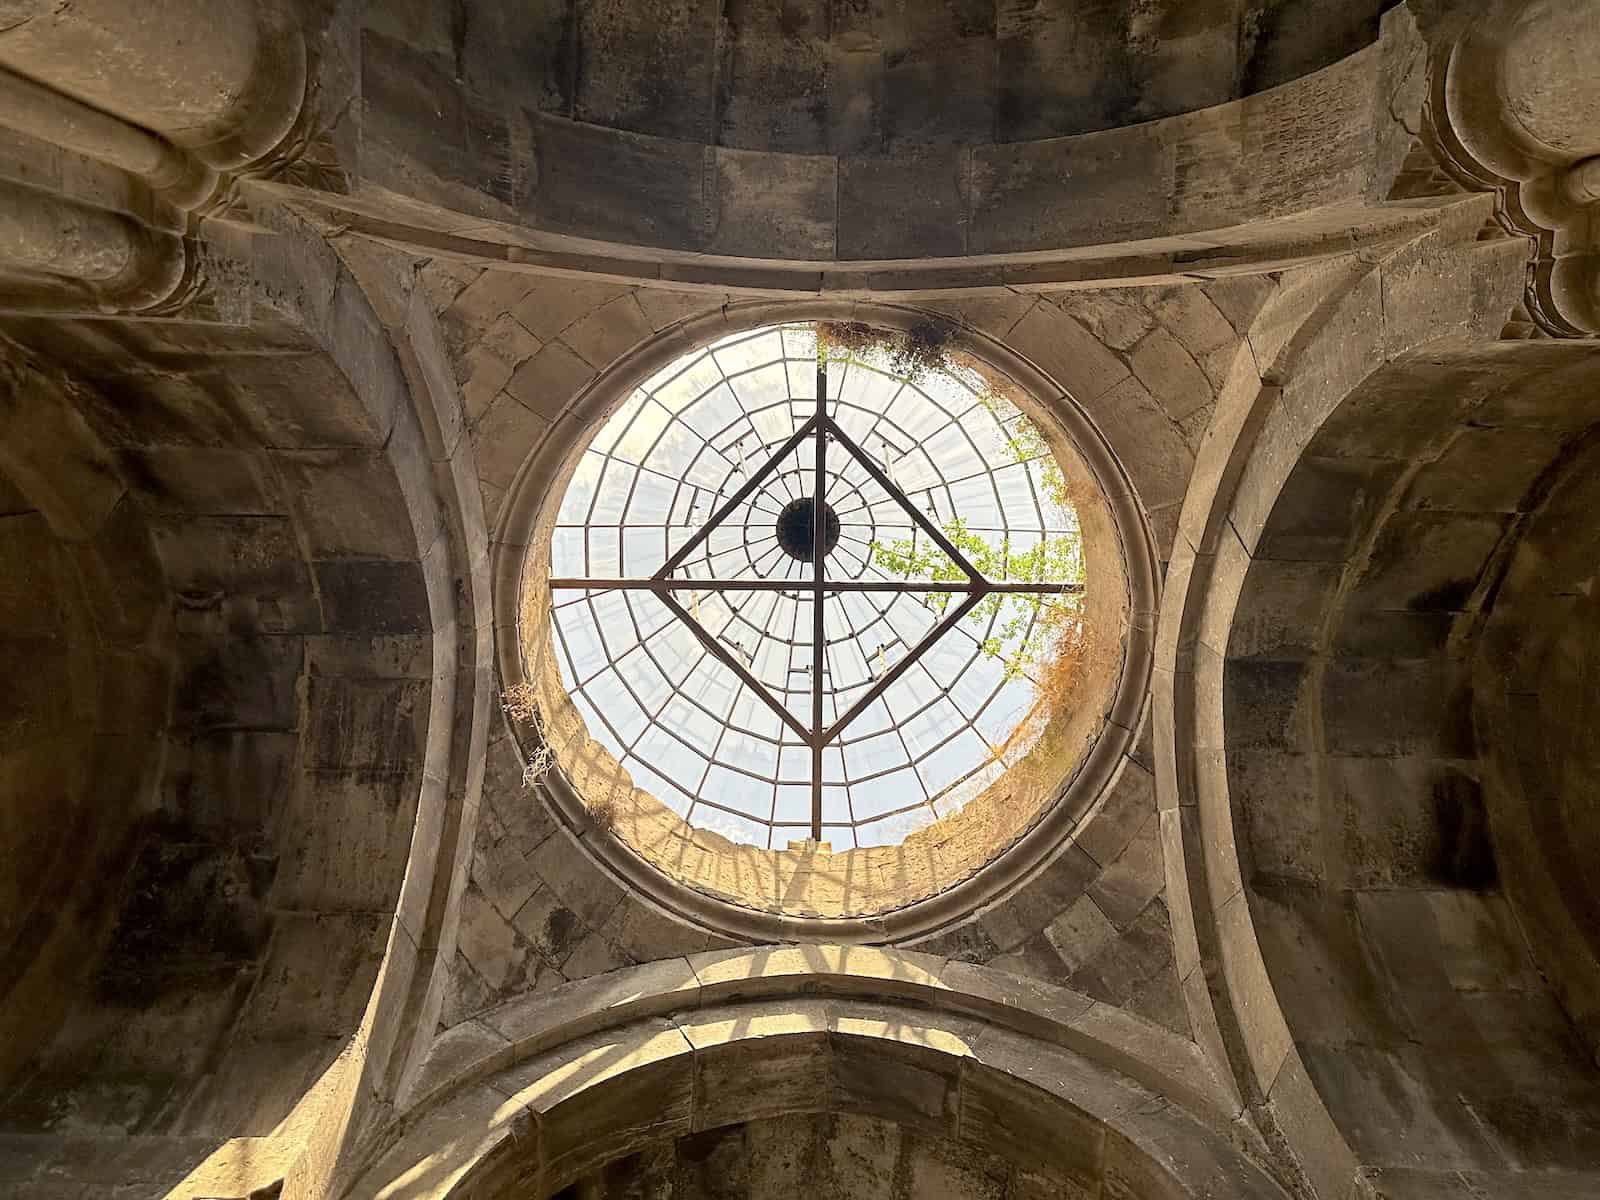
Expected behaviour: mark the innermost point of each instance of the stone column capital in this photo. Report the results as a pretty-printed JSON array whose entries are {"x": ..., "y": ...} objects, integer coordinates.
[
  {"x": 181, "y": 120},
  {"x": 1514, "y": 108}
]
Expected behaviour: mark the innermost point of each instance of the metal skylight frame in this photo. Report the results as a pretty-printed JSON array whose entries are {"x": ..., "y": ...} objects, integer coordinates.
[{"x": 817, "y": 735}]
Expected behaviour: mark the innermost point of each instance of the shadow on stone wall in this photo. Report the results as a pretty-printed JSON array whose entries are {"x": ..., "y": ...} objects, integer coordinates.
[
  {"x": 214, "y": 752},
  {"x": 1371, "y": 847}
]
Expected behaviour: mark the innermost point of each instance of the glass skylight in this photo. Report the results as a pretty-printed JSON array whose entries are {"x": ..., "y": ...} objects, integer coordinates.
[{"x": 684, "y": 587}]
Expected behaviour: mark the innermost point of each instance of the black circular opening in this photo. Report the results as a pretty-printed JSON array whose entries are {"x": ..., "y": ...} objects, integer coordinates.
[{"x": 796, "y": 531}]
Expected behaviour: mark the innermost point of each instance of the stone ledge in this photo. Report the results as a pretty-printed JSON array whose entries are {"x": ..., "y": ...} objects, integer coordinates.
[{"x": 534, "y": 1024}]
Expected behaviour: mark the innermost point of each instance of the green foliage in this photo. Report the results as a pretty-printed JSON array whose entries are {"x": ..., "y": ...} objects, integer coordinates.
[
  {"x": 1025, "y": 443},
  {"x": 1018, "y": 623},
  {"x": 1021, "y": 626}
]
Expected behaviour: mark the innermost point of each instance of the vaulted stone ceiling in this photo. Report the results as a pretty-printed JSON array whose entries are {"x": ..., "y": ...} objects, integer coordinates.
[
  {"x": 866, "y": 77},
  {"x": 308, "y": 312},
  {"x": 868, "y": 131}
]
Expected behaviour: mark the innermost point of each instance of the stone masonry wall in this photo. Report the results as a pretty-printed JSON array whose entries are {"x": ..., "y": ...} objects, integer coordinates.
[
  {"x": 831, "y": 1157},
  {"x": 807, "y": 134},
  {"x": 1365, "y": 836},
  {"x": 257, "y": 621}
]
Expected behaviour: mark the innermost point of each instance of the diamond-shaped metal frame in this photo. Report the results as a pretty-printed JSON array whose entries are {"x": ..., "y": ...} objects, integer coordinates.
[{"x": 663, "y": 583}]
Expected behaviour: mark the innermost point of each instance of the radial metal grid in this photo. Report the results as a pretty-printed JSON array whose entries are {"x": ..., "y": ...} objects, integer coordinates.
[{"x": 768, "y": 690}]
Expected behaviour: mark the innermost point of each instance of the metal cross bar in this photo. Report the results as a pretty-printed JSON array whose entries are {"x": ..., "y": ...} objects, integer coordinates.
[
  {"x": 749, "y": 485},
  {"x": 882, "y": 684},
  {"x": 900, "y": 498},
  {"x": 680, "y": 583},
  {"x": 971, "y": 590},
  {"x": 819, "y": 551},
  {"x": 720, "y": 653}
]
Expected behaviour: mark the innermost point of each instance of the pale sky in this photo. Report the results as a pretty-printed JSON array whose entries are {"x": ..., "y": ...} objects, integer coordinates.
[{"x": 682, "y": 723}]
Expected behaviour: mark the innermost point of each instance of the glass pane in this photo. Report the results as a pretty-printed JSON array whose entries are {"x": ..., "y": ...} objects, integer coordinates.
[{"x": 682, "y": 720}]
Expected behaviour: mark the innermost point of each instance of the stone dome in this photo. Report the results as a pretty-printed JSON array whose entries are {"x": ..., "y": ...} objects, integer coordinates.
[{"x": 970, "y": 599}]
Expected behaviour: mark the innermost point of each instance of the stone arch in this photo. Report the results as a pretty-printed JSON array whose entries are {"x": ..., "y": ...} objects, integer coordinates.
[
  {"x": 1359, "y": 807},
  {"x": 88, "y": 611},
  {"x": 1345, "y": 409},
  {"x": 532, "y": 1095},
  {"x": 268, "y": 564},
  {"x": 1531, "y": 698},
  {"x": 855, "y": 205}
]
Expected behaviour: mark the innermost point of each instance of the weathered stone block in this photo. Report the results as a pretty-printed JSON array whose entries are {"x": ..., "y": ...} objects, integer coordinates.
[
  {"x": 495, "y": 954},
  {"x": 1264, "y": 706},
  {"x": 786, "y": 1066},
  {"x": 1028, "y": 1126},
  {"x": 249, "y": 566},
  {"x": 775, "y": 205},
  {"x": 1428, "y": 561},
  {"x": 1118, "y": 317},
  {"x": 581, "y": 886},
  {"x": 1129, "y": 965},
  {"x": 1080, "y": 933},
  {"x": 1408, "y": 822},
  {"x": 1394, "y": 634},
  {"x": 1131, "y": 800},
  {"x": 608, "y": 332},
  {"x": 548, "y": 381},
  {"x": 1134, "y": 879},
  {"x": 909, "y": 205},
  {"x": 500, "y": 869},
  {"x": 1266, "y": 1036},
  {"x": 189, "y": 406},
  {"x": 1151, "y": 445},
  {"x": 1324, "y": 973},
  {"x": 202, "y": 480},
  {"x": 1397, "y": 1122},
  {"x": 488, "y": 365},
  {"x": 375, "y": 597},
  {"x": 480, "y": 306},
  {"x": 1123, "y": 177},
  {"x": 1171, "y": 374},
  {"x": 347, "y": 504},
  {"x": 623, "y": 186},
  {"x": 1068, "y": 351},
  {"x": 554, "y": 303},
  {"x": 940, "y": 1171},
  {"x": 318, "y": 976},
  {"x": 304, "y": 401},
  {"x": 502, "y": 439},
  {"x": 1275, "y": 795},
  {"x": 427, "y": 135},
  {"x": 663, "y": 306},
  {"x": 1323, "y": 507},
  {"x": 237, "y": 683},
  {"x": 1281, "y": 607},
  {"x": 1427, "y": 293},
  {"x": 1031, "y": 908},
  {"x": 343, "y": 841},
  {"x": 914, "y": 1087},
  {"x": 594, "y": 954},
  {"x": 228, "y": 783},
  {"x": 1391, "y": 708},
  {"x": 1486, "y": 470}
]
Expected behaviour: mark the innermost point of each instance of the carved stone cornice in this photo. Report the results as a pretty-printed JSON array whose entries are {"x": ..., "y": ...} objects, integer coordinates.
[
  {"x": 1514, "y": 108},
  {"x": 262, "y": 125}
]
